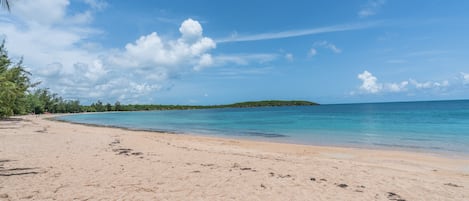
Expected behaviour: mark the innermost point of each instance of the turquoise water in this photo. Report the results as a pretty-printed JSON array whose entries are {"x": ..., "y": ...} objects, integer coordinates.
[{"x": 437, "y": 126}]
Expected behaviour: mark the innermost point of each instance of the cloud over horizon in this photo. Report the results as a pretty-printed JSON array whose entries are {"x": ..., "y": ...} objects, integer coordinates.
[
  {"x": 371, "y": 85},
  {"x": 64, "y": 62},
  {"x": 168, "y": 52}
]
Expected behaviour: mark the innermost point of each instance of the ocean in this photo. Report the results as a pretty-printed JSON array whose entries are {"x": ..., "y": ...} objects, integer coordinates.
[{"x": 433, "y": 126}]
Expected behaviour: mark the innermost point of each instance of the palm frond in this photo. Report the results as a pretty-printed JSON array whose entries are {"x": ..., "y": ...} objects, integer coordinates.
[{"x": 5, "y": 4}]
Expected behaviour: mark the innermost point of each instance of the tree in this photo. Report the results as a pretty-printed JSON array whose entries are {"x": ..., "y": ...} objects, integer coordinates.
[
  {"x": 117, "y": 106},
  {"x": 99, "y": 106},
  {"x": 34, "y": 104},
  {"x": 73, "y": 106},
  {"x": 14, "y": 83},
  {"x": 108, "y": 107}
]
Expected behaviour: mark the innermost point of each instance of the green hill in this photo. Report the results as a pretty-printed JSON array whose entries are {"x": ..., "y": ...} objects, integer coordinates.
[{"x": 271, "y": 103}]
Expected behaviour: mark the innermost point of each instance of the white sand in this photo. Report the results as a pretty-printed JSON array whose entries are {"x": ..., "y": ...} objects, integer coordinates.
[{"x": 48, "y": 160}]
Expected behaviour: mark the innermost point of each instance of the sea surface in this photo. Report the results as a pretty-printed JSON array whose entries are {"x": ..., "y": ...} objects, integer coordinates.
[{"x": 436, "y": 126}]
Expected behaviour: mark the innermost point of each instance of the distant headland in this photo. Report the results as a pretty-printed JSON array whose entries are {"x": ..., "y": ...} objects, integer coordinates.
[
  {"x": 248, "y": 104},
  {"x": 271, "y": 103}
]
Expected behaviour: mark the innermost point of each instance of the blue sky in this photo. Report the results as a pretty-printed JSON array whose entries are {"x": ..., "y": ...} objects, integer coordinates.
[{"x": 217, "y": 52}]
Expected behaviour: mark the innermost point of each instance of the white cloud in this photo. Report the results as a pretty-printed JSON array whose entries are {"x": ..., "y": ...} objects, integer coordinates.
[
  {"x": 429, "y": 84},
  {"x": 191, "y": 29},
  {"x": 334, "y": 48},
  {"x": 397, "y": 87},
  {"x": 324, "y": 44},
  {"x": 97, "y": 4},
  {"x": 49, "y": 39},
  {"x": 371, "y": 8},
  {"x": 57, "y": 50},
  {"x": 289, "y": 56},
  {"x": 243, "y": 59},
  {"x": 152, "y": 51},
  {"x": 465, "y": 77},
  {"x": 327, "y": 45},
  {"x": 45, "y": 12},
  {"x": 369, "y": 82},
  {"x": 81, "y": 18},
  {"x": 371, "y": 85},
  {"x": 295, "y": 33},
  {"x": 205, "y": 61},
  {"x": 312, "y": 52},
  {"x": 151, "y": 59},
  {"x": 55, "y": 46},
  {"x": 422, "y": 85}
]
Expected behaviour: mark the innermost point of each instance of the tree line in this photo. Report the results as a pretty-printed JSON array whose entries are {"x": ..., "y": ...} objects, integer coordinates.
[
  {"x": 14, "y": 83},
  {"x": 16, "y": 98}
]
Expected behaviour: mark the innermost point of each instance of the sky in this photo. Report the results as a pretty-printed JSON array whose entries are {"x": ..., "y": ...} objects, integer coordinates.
[{"x": 218, "y": 52}]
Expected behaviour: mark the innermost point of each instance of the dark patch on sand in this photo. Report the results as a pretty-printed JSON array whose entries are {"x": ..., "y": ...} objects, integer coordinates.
[
  {"x": 453, "y": 185},
  {"x": 395, "y": 196},
  {"x": 17, "y": 171}
]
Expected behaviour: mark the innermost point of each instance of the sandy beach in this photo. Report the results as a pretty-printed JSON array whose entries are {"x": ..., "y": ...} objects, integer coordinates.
[{"x": 42, "y": 159}]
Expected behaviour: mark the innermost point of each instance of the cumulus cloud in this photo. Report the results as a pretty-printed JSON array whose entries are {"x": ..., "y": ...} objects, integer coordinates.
[
  {"x": 151, "y": 51},
  {"x": 289, "y": 56},
  {"x": 151, "y": 59},
  {"x": 371, "y": 8},
  {"x": 191, "y": 29},
  {"x": 55, "y": 46},
  {"x": 371, "y": 85},
  {"x": 369, "y": 82},
  {"x": 50, "y": 40}
]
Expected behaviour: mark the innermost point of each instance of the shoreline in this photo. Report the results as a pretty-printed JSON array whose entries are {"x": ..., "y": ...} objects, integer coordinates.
[
  {"x": 47, "y": 160},
  {"x": 444, "y": 153}
]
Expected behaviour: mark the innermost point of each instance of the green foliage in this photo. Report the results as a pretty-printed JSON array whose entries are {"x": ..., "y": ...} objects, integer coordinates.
[
  {"x": 42, "y": 101},
  {"x": 14, "y": 83},
  {"x": 98, "y": 107},
  {"x": 117, "y": 106},
  {"x": 35, "y": 105},
  {"x": 271, "y": 103}
]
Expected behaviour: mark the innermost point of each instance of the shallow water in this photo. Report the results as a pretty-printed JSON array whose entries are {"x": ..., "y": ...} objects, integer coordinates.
[{"x": 437, "y": 126}]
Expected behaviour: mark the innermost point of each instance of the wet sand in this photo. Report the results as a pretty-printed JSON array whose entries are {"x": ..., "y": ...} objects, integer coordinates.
[{"x": 50, "y": 160}]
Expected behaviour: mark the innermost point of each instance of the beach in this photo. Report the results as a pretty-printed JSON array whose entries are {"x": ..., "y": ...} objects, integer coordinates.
[{"x": 41, "y": 159}]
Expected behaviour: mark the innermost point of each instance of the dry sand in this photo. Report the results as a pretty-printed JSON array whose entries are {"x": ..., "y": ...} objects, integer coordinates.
[{"x": 48, "y": 160}]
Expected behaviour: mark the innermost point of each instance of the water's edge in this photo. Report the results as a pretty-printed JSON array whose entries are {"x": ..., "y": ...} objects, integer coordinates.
[{"x": 453, "y": 155}]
